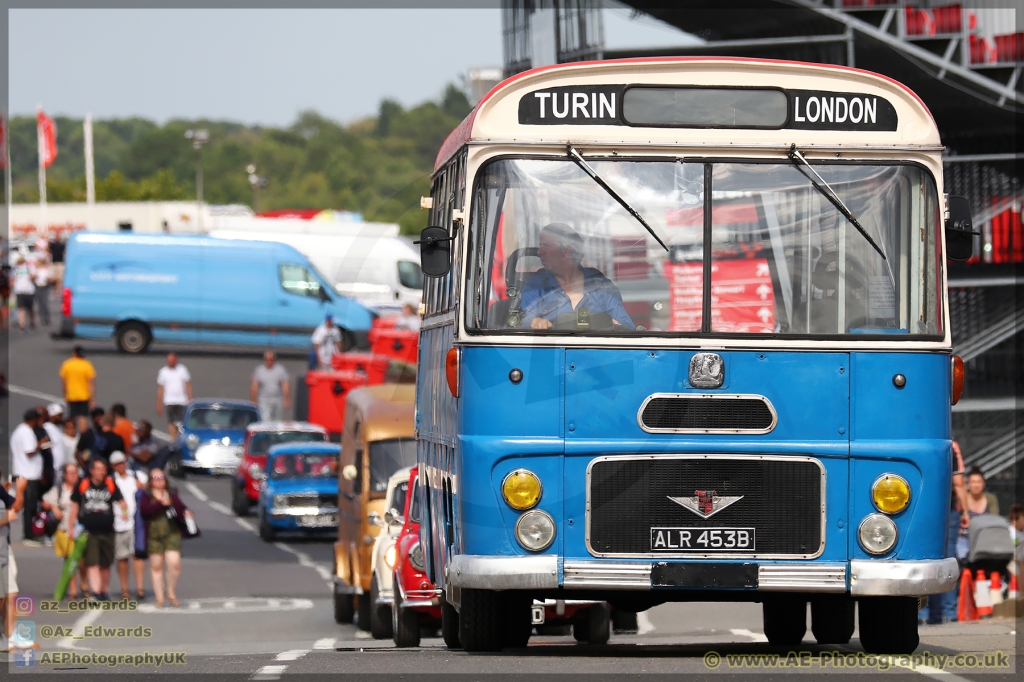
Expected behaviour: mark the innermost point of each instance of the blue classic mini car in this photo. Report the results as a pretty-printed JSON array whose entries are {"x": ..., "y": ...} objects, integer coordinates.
[
  {"x": 211, "y": 436},
  {"x": 300, "y": 489}
]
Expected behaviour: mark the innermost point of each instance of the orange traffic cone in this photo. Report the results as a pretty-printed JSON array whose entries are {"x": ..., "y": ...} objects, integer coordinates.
[
  {"x": 966, "y": 610},
  {"x": 1014, "y": 594},
  {"x": 982, "y": 596},
  {"x": 995, "y": 589}
]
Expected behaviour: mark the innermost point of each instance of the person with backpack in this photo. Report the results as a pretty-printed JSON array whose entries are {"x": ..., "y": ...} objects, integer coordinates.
[
  {"x": 92, "y": 504},
  {"x": 129, "y": 483}
]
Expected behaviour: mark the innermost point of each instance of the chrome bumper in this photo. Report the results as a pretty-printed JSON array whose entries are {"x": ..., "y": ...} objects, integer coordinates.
[
  {"x": 504, "y": 572},
  {"x": 902, "y": 578}
]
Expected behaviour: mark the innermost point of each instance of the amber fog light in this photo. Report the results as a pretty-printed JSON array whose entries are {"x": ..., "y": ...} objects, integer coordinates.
[
  {"x": 877, "y": 534},
  {"x": 890, "y": 493},
  {"x": 521, "y": 489},
  {"x": 535, "y": 530}
]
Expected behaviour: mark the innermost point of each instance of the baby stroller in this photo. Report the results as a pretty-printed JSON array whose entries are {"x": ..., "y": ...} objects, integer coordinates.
[{"x": 990, "y": 544}]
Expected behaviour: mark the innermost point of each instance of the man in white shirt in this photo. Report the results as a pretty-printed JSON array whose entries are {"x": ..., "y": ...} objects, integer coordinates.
[
  {"x": 128, "y": 482},
  {"x": 408, "y": 319},
  {"x": 173, "y": 392},
  {"x": 43, "y": 280},
  {"x": 27, "y": 463},
  {"x": 53, "y": 424},
  {"x": 23, "y": 287},
  {"x": 327, "y": 342}
]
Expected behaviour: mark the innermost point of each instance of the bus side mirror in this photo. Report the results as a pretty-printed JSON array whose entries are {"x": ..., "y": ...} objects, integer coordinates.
[
  {"x": 959, "y": 230},
  {"x": 435, "y": 251}
]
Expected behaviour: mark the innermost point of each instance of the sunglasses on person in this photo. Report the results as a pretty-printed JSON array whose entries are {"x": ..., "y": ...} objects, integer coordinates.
[{"x": 157, "y": 478}]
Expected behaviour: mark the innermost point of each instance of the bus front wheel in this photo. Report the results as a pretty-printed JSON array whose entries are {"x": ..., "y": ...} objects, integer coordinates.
[
  {"x": 481, "y": 621},
  {"x": 785, "y": 621},
  {"x": 888, "y": 625}
]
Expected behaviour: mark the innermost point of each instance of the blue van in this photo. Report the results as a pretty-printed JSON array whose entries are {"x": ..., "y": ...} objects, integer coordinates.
[{"x": 196, "y": 289}]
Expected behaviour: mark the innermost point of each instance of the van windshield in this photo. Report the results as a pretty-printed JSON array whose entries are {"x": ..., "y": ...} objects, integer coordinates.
[
  {"x": 387, "y": 457},
  {"x": 555, "y": 253}
]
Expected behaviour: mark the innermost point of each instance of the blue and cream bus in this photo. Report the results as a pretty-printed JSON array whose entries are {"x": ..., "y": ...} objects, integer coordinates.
[{"x": 686, "y": 339}]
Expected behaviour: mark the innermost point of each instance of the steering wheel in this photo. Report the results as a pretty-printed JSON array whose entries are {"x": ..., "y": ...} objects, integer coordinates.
[{"x": 570, "y": 322}]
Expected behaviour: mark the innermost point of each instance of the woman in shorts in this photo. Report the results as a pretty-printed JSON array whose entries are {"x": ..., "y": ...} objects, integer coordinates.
[{"x": 161, "y": 508}]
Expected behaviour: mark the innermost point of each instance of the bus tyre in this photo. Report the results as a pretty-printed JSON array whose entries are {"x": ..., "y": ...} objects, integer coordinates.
[
  {"x": 266, "y": 530},
  {"x": 405, "y": 622},
  {"x": 380, "y": 615},
  {"x": 239, "y": 500},
  {"x": 343, "y": 611},
  {"x": 595, "y": 626},
  {"x": 481, "y": 621},
  {"x": 785, "y": 621},
  {"x": 624, "y": 623},
  {"x": 365, "y": 606},
  {"x": 518, "y": 627},
  {"x": 133, "y": 337},
  {"x": 888, "y": 625},
  {"x": 450, "y": 625},
  {"x": 832, "y": 619}
]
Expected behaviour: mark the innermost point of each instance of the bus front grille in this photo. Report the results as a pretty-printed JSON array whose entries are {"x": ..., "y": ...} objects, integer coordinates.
[
  {"x": 706, "y": 505},
  {"x": 716, "y": 413}
]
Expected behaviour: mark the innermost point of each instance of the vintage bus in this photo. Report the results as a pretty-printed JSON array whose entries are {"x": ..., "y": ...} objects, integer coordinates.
[{"x": 686, "y": 339}]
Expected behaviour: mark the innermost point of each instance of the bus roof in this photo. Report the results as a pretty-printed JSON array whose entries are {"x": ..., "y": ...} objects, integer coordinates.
[{"x": 799, "y": 104}]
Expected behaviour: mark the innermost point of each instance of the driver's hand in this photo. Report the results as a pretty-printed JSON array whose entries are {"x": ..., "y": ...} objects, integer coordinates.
[{"x": 540, "y": 323}]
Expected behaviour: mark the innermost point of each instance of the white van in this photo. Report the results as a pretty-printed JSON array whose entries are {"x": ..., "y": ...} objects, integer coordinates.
[{"x": 377, "y": 268}]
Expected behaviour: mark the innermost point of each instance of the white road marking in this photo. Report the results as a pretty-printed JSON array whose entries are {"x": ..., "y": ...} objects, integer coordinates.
[
  {"x": 740, "y": 632},
  {"x": 194, "y": 489},
  {"x": 932, "y": 672},
  {"x": 35, "y": 394},
  {"x": 78, "y": 629},
  {"x": 220, "y": 507},
  {"x": 304, "y": 560},
  {"x": 325, "y": 643},
  {"x": 293, "y": 655},
  {"x": 245, "y": 524},
  {"x": 363, "y": 634},
  {"x": 205, "y": 607},
  {"x": 269, "y": 672},
  {"x": 643, "y": 624}
]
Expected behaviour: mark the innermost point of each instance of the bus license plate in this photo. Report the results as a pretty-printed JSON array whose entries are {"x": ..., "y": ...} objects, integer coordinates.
[
  {"x": 321, "y": 521},
  {"x": 675, "y": 539}
]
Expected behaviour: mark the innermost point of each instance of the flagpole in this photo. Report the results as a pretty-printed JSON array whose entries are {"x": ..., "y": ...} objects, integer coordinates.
[
  {"x": 90, "y": 171},
  {"x": 43, "y": 229}
]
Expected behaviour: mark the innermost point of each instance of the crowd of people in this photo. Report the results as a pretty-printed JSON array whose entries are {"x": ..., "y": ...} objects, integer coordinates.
[{"x": 31, "y": 276}]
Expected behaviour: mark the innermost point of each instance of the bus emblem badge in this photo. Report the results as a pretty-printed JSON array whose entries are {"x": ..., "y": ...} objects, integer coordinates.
[
  {"x": 706, "y": 503},
  {"x": 707, "y": 370}
]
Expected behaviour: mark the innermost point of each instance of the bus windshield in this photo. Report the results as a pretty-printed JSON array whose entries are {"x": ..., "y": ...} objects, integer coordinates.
[{"x": 554, "y": 252}]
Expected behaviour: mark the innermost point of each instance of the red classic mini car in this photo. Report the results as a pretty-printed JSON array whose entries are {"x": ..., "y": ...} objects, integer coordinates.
[{"x": 259, "y": 437}]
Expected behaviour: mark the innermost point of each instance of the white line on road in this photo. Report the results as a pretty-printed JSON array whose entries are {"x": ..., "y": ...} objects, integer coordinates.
[
  {"x": 304, "y": 560},
  {"x": 194, "y": 489},
  {"x": 740, "y": 632},
  {"x": 220, "y": 507},
  {"x": 78, "y": 629},
  {"x": 35, "y": 394},
  {"x": 293, "y": 655},
  {"x": 325, "y": 643},
  {"x": 245, "y": 524},
  {"x": 269, "y": 672},
  {"x": 205, "y": 607},
  {"x": 643, "y": 624},
  {"x": 933, "y": 672}
]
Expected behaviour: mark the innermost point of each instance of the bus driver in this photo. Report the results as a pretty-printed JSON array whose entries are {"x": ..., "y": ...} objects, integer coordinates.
[{"x": 564, "y": 286}]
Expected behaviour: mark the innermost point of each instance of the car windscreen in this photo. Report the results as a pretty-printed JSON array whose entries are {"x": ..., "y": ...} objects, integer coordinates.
[
  {"x": 304, "y": 465},
  {"x": 221, "y": 418},
  {"x": 414, "y": 503},
  {"x": 264, "y": 440},
  {"x": 387, "y": 457}
]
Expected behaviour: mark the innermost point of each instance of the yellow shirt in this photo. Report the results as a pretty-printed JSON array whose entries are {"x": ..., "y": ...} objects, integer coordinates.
[{"x": 76, "y": 373}]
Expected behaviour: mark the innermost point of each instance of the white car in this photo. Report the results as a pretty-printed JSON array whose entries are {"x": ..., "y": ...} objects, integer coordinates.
[{"x": 383, "y": 562}]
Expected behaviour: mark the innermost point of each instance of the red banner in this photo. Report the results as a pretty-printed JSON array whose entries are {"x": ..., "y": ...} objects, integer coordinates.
[
  {"x": 47, "y": 131},
  {"x": 742, "y": 296}
]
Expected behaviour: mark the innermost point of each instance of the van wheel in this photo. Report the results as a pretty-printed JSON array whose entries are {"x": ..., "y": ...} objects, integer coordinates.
[
  {"x": 380, "y": 615},
  {"x": 363, "y": 603},
  {"x": 266, "y": 530},
  {"x": 832, "y": 619},
  {"x": 450, "y": 625},
  {"x": 888, "y": 625},
  {"x": 595, "y": 626},
  {"x": 343, "y": 611},
  {"x": 239, "y": 500},
  {"x": 785, "y": 621},
  {"x": 133, "y": 337}
]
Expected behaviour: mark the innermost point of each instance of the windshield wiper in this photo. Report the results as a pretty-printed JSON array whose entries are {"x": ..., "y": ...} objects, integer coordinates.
[
  {"x": 575, "y": 157},
  {"x": 829, "y": 193}
]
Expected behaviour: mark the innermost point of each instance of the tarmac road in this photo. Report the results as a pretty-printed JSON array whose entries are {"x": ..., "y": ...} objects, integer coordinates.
[{"x": 261, "y": 611}]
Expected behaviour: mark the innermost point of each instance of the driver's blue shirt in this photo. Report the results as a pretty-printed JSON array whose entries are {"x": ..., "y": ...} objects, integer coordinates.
[{"x": 544, "y": 297}]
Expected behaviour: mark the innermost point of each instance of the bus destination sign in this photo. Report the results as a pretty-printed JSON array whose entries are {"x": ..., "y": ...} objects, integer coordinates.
[{"x": 707, "y": 107}]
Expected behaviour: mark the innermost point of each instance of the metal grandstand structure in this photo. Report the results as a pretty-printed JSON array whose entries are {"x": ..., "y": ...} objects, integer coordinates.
[{"x": 965, "y": 60}]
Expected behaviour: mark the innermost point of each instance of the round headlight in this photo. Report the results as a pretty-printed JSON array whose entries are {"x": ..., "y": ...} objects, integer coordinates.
[
  {"x": 192, "y": 441},
  {"x": 521, "y": 489},
  {"x": 280, "y": 500},
  {"x": 535, "y": 530},
  {"x": 255, "y": 472},
  {"x": 877, "y": 534},
  {"x": 389, "y": 556},
  {"x": 890, "y": 493},
  {"x": 416, "y": 557}
]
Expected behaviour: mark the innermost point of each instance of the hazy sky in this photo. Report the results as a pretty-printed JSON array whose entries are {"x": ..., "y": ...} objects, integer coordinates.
[{"x": 257, "y": 65}]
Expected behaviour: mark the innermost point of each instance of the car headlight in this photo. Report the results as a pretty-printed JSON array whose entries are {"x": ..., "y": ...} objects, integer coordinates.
[
  {"x": 255, "y": 472},
  {"x": 192, "y": 441},
  {"x": 521, "y": 489},
  {"x": 535, "y": 530},
  {"x": 280, "y": 501},
  {"x": 877, "y": 534},
  {"x": 890, "y": 493},
  {"x": 416, "y": 557},
  {"x": 389, "y": 556}
]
